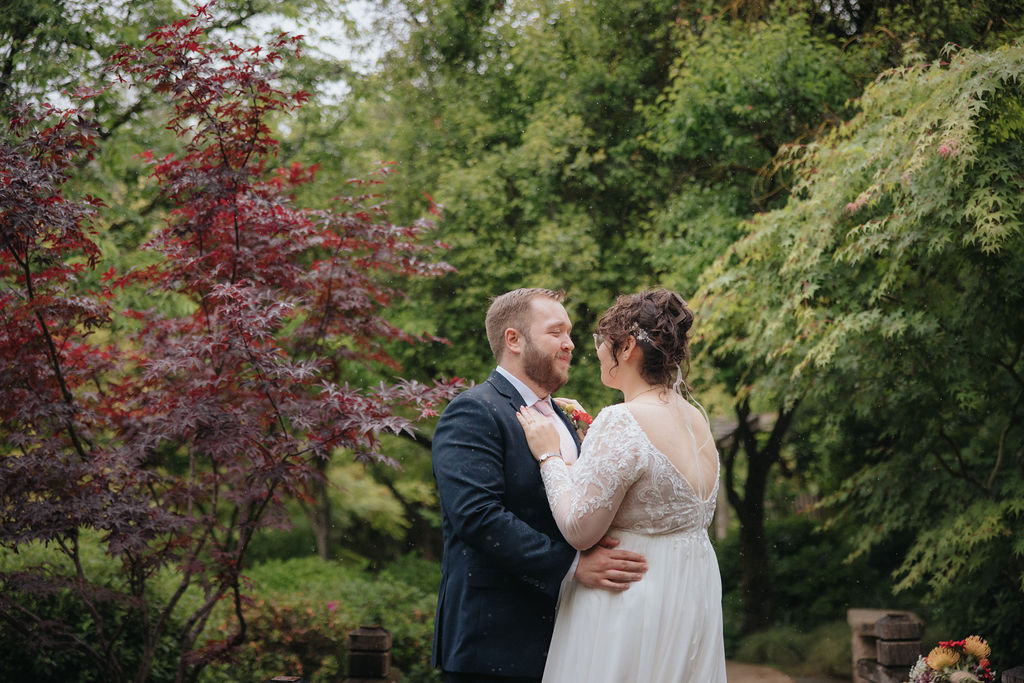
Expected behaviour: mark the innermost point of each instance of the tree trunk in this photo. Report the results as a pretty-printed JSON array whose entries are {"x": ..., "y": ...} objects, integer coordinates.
[
  {"x": 422, "y": 536},
  {"x": 756, "y": 576},
  {"x": 320, "y": 515}
]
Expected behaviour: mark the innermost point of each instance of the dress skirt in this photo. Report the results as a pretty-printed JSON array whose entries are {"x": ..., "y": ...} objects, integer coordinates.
[{"x": 666, "y": 628}]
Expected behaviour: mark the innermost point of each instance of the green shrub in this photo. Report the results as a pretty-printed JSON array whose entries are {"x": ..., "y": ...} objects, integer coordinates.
[
  {"x": 813, "y": 585},
  {"x": 414, "y": 570},
  {"x": 299, "y": 622},
  {"x": 732, "y": 616},
  {"x": 824, "y": 650},
  {"x": 278, "y": 544},
  {"x": 298, "y": 619},
  {"x": 830, "y": 651},
  {"x": 28, "y": 655},
  {"x": 782, "y": 646},
  {"x": 812, "y": 581}
]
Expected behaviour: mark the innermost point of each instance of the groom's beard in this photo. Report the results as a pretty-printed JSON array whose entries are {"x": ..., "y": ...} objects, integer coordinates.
[{"x": 542, "y": 369}]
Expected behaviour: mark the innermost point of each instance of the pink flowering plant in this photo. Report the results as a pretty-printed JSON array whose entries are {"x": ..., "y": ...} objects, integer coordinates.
[{"x": 955, "y": 661}]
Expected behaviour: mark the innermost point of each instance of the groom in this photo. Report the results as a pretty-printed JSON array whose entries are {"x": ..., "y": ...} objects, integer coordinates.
[{"x": 504, "y": 559}]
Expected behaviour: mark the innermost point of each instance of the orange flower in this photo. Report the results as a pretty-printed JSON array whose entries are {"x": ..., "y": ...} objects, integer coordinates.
[
  {"x": 941, "y": 657},
  {"x": 977, "y": 647}
]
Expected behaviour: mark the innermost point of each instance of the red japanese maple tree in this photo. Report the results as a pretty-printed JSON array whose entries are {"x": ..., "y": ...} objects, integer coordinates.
[{"x": 177, "y": 444}]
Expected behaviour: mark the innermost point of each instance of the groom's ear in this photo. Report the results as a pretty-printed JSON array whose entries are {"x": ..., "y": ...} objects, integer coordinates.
[{"x": 513, "y": 341}]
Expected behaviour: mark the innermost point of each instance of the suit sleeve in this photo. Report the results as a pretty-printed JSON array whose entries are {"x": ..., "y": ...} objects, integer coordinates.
[{"x": 469, "y": 451}]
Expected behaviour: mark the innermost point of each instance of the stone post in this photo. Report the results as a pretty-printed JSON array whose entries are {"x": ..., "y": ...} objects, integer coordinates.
[
  {"x": 864, "y": 643},
  {"x": 1014, "y": 675},
  {"x": 369, "y": 655},
  {"x": 899, "y": 640}
]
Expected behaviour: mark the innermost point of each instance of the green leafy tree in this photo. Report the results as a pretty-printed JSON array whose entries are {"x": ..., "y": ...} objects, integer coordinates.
[
  {"x": 53, "y": 49},
  {"x": 755, "y": 78},
  {"x": 524, "y": 130},
  {"x": 739, "y": 90},
  {"x": 889, "y": 290},
  {"x": 606, "y": 146}
]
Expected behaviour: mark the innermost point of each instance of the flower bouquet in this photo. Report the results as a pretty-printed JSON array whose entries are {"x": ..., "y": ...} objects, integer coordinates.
[
  {"x": 955, "y": 661},
  {"x": 579, "y": 417}
]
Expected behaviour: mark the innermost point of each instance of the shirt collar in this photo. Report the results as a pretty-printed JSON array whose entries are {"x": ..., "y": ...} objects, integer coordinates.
[{"x": 529, "y": 397}]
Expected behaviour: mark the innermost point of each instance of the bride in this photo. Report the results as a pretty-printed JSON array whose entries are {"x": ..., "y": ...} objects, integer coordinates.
[{"x": 648, "y": 475}]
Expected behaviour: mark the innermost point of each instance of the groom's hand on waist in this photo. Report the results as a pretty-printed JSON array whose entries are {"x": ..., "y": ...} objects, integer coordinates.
[{"x": 605, "y": 567}]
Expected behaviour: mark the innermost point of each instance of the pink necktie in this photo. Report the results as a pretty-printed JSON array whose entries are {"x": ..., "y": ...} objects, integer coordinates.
[{"x": 567, "y": 445}]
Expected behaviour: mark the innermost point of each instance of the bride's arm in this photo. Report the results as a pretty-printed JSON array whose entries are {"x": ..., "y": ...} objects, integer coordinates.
[{"x": 585, "y": 497}]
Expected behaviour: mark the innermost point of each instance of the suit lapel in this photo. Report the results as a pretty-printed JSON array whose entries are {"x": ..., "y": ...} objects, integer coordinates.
[
  {"x": 505, "y": 388},
  {"x": 515, "y": 400}
]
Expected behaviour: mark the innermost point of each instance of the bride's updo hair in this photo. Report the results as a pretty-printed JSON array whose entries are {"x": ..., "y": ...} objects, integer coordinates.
[{"x": 660, "y": 322}]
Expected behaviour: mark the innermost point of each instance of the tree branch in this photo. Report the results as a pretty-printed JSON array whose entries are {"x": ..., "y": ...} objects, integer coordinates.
[
  {"x": 52, "y": 354},
  {"x": 1001, "y": 452}
]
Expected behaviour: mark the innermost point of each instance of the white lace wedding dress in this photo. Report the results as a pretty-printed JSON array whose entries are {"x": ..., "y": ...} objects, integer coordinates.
[{"x": 667, "y": 627}]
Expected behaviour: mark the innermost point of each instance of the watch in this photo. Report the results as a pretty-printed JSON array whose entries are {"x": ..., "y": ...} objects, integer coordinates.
[{"x": 545, "y": 456}]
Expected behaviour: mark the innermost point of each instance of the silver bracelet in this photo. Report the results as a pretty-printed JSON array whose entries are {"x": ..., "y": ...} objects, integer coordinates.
[{"x": 547, "y": 456}]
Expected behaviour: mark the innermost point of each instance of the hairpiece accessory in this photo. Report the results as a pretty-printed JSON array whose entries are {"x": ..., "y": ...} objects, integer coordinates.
[{"x": 641, "y": 334}]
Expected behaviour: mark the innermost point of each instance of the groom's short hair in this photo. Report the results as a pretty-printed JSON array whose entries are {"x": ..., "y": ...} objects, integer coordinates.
[{"x": 512, "y": 309}]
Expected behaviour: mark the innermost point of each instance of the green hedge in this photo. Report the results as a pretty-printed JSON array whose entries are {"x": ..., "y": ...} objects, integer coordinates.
[
  {"x": 812, "y": 581},
  {"x": 31, "y": 655},
  {"x": 299, "y": 623},
  {"x": 298, "y": 614}
]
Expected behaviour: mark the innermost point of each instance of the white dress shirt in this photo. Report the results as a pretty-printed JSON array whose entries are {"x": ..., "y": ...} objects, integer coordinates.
[{"x": 568, "y": 444}]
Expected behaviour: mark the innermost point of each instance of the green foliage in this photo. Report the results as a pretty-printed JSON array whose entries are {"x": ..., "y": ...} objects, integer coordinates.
[
  {"x": 932, "y": 24},
  {"x": 824, "y": 650},
  {"x": 732, "y": 616},
  {"x": 367, "y": 502},
  {"x": 305, "y": 608},
  {"x": 780, "y": 646},
  {"x": 740, "y": 91},
  {"x": 890, "y": 290},
  {"x": 737, "y": 92},
  {"x": 299, "y": 617},
  {"x": 813, "y": 581},
  {"x": 377, "y": 513},
  {"x": 29, "y": 656},
  {"x": 413, "y": 570},
  {"x": 528, "y": 142},
  {"x": 697, "y": 222}
]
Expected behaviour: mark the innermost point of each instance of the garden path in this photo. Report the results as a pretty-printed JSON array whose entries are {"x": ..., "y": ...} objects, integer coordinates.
[{"x": 740, "y": 672}]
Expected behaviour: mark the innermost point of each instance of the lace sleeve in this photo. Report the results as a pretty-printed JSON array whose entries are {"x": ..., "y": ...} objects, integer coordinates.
[{"x": 585, "y": 497}]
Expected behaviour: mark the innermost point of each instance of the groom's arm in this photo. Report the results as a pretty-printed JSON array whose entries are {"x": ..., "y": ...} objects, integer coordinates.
[{"x": 469, "y": 465}]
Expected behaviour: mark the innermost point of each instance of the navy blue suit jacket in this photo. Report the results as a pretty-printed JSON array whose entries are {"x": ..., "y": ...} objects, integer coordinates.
[{"x": 504, "y": 558}]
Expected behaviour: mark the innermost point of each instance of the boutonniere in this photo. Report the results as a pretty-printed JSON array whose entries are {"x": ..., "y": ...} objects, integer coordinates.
[{"x": 580, "y": 418}]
